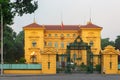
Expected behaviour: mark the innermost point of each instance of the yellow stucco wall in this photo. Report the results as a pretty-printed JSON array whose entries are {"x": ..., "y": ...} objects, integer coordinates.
[
  {"x": 92, "y": 35},
  {"x": 22, "y": 71},
  {"x": 49, "y": 60},
  {"x": 32, "y": 35},
  {"x": 106, "y": 64},
  {"x": 49, "y": 69},
  {"x": 118, "y": 71}
]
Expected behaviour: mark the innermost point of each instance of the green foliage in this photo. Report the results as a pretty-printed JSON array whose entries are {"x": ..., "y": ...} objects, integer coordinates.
[
  {"x": 22, "y": 60},
  {"x": 9, "y": 44},
  {"x": 24, "y": 6},
  {"x": 11, "y": 8},
  {"x": 19, "y": 44},
  {"x": 13, "y": 45},
  {"x": 82, "y": 65},
  {"x": 105, "y": 42},
  {"x": 98, "y": 68},
  {"x": 117, "y": 43}
]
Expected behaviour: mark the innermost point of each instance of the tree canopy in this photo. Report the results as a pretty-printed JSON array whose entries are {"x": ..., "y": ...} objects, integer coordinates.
[
  {"x": 10, "y": 8},
  {"x": 105, "y": 42},
  {"x": 117, "y": 42}
]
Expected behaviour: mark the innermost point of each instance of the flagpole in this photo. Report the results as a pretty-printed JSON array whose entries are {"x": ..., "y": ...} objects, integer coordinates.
[{"x": 1, "y": 41}]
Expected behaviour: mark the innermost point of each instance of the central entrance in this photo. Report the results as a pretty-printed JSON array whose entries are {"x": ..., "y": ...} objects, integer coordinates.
[{"x": 79, "y": 57}]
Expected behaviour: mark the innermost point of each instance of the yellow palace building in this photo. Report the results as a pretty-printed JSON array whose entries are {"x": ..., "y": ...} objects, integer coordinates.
[
  {"x": 37, "y": 37},
  {"x": 50, "y": 48}
]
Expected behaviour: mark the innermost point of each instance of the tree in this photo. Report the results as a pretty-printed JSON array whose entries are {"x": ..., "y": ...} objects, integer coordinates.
[
  {"x": 117, "y": 43},
  {"x": 12, "y": 45},
  {"x": 9, "y": 44},
  {"x": 11, "y": 8},
  {"x": 105, "y": 42},
  {"x": 19, "y": 44}
]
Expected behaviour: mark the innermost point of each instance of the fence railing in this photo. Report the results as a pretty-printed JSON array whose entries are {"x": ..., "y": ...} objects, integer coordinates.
[
  {"x": 21, "y": 66},
  {"x": 119, "y": 66}
]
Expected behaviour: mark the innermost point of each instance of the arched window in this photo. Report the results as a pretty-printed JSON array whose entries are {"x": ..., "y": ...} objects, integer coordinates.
[{"x": 33, "y": 57}]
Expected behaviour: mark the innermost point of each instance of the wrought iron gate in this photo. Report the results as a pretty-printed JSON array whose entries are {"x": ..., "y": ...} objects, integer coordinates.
[{"x": 78, "y": 45}]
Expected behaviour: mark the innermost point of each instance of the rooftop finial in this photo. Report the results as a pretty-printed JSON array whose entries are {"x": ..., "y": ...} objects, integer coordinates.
[
  {"x": 90, "y": 20},
  {"x": 62, "y": 20},
  {"x": 34, "y": 18}
]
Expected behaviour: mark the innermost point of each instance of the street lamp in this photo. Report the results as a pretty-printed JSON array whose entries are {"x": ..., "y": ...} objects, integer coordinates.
[{"x": 1, "y": 40}]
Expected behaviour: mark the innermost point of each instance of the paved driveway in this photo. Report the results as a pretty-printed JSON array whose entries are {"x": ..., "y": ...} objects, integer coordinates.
[{"x": 61, "y": 77}]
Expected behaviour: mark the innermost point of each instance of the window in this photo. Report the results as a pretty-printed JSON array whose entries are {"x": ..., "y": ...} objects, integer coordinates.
[
  {"x": 34, "y": 43},
  {"x": 110, "y": 65},
  {"x": 68, "y": 35},
  {"x": 56, "y": 45},
  {"x": 62, "y": 44},
  {"x": 48, "y": 65},
  {"x": 45, "y": 43},
  {"x": 56, "y": 35},
  {"x": 33, "y": 58},
  {"x": 91, "y": 43},
  {"x": 49, "y": 43},
  {"x": 49, "y": 35}
]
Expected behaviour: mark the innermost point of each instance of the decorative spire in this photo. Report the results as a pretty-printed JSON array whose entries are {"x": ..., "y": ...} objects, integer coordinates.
[
  {"x": 34, "y": 21},
  {"x": 90, "y": 15},
  {"x": 62, "y": 21},
  {"x": 90, "y": 20}
]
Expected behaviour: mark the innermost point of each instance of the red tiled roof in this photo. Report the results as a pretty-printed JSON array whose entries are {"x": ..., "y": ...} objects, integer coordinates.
[
  {"x": 33, "y": 25},
  {"x": 90, "y": 25},
  {"x": 65, "y": 27}
]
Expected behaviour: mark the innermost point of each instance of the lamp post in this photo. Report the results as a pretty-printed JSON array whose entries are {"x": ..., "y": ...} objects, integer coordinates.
[{"x": 1, "y": 40}]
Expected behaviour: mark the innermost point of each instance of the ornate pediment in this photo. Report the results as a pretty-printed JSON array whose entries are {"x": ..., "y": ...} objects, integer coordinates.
[
  {"x": 110, "y": 50},
  {"x": 49, "y": 50}
]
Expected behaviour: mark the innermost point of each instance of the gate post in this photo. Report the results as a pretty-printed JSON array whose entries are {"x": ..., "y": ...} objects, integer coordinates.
[
  {"x": 109, "y": 60},
  {"x": 49, "y": 61}
]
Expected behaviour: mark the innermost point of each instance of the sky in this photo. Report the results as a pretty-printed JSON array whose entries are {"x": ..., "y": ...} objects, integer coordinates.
[{"x": 104, "y": 13}]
